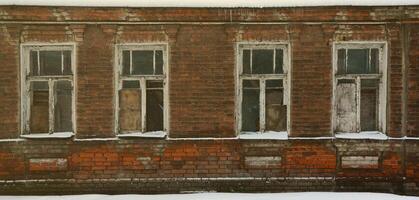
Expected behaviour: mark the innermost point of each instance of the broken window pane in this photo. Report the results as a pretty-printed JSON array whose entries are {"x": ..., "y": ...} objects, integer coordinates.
[
  {"x": 159, "y": 62},
  {"x": 346, "y": 109},
  {"x": 126, "y": 62},
  {"x": 34, "y": 63},
  {"x": 358, "y": 61},
  {"x": 369, "y": 104},
  {"x": 67, "y": 62},
  {"x": 246, "y": 62},
  {"x": 39, "y": 117},
  {"x": 154, "y": 106},
  {"x": 262, "y": 61},
  {"x": 250, "y": 105},
  {"x": 275, "y": 111},
  {"x": 342, "y": 61},
  {"x": 50, "y": 62},
  {"x": 63, "y": 107},
  {"x": 142, "y": 62},
  {"x": 130, "y": 109},
  {"x": 279, "y": 61}
]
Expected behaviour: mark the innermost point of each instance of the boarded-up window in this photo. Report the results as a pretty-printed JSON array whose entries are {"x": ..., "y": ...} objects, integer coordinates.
[
  {"x": 130, "y": 106},
  {"x": 357, "y": 96},
  {"x": 141, "y": 99},
  {"x": 39, "y": 118},
  {"x": 346, "y": 109},
  {"x": 276, "y": 111}
]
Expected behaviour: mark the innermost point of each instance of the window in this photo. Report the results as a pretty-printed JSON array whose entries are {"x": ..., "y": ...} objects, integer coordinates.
[
  {"x": 263, "y": 88},
  {"x": 359, "y": 87},
  {"x": 47, "y": 88},
  {"x": 141, "y": 104}
]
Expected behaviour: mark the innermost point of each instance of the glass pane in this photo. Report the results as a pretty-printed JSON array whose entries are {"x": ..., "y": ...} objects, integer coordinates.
[
  {"x": 126, "y": 60},
  {"x": 246, "y": 62},
  {"x": 358, "y": 61},
  {"x": 154, "y": 114},
  {"x": 159, "y": 62},
  {"x": 369, "y": 104},
  {"x": 262, "y": 61},
  {"x": 50, "y": 62},
  {"x": 374, "y": 61},
  {"x": 67, "y": 62},
  {"x": 34, "y": 63},
  {"x": 130, "y": 110},
  {"x": 154, "y": 84},
  {"x": 250, "y": 105},
  {"x": 341, "y": 61},
  {"x": 130, "y": 84},
  {"x": 39, "y": 117},
  {"x": 142, "y": 62},
  {"x": 346, "y": 109},
  {"x": 275, "y": 111},
  {"x": 279, "y": 61},
  {"x": 63, "y": 107}
]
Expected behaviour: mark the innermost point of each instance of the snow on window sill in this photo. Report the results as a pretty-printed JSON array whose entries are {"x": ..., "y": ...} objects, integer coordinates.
[
  {"x": 58, "y": 135},
  {"x": 371, "y": 135},
  {"x": 269, "y": 135},
  {"x": 153, "y": 134}
]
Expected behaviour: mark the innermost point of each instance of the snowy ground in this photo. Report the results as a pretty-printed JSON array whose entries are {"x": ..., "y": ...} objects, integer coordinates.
[{"x": 226, "y": 196}]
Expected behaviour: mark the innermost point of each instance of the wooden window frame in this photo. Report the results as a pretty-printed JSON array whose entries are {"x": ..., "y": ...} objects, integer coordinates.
[
  {"x": 26, "y": 79},
  {"x": 381, "y": 76},
  {"x": 119, "y": 78},
  {"x": 285, "y": 76}
]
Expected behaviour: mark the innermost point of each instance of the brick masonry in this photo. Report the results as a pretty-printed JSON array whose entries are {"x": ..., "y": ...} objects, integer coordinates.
[{"x": 202, "y": 103}]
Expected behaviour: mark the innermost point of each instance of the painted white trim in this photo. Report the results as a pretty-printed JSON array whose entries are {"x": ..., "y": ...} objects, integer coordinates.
[
  {"x": 285, "y": 77},
  {"x": 152, "y": 46},
  {"x": 25, "y": 49},
  {"x": 382, "y": 76}
]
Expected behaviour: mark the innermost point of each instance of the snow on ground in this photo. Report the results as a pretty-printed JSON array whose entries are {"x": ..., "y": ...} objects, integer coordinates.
[
  {"x": 206, "y": 3},
  {"x": 226, "y": 196}
]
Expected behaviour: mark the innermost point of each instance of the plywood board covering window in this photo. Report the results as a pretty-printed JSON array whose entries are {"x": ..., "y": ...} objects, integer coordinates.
[
  {"x": 263, "y": 87},
  {"x": 141, "y": 84},
  {"x": 359, "y": 87},
  {"x": 47, "y": 88}
]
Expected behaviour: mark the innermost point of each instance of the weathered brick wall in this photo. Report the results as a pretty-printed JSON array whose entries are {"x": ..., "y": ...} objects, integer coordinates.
[{"x": 202, "y": 76}]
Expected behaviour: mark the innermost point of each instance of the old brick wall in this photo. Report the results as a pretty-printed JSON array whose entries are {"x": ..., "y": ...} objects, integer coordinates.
[{"x": 202, "y": 76}]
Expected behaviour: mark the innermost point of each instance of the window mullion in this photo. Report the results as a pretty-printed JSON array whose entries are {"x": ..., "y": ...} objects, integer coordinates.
[
  {"x": 251, "y": 61},
  {"x": 62, "y": 62},
  {"x": 51, "y": 107},
  {"x": 274, "y": 63},
  {"x": 143, "y": 104},
  {"x": 154, "y": 62},
  {"x": 358, "y": 104},
  {"x": 262, "y": 105},
  {"x": 39, "y": 63}
]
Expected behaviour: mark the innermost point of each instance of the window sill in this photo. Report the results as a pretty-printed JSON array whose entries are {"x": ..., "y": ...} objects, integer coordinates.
[
  {"x": 270, "y": 135},
  {"x": 154, "y": 134},
  {"x": 369, "y": 135},
  {"x": 59, "y": 135}
]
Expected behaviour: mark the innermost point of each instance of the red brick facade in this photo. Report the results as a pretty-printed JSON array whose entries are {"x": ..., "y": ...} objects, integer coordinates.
[{"x": 202, "y": 103}]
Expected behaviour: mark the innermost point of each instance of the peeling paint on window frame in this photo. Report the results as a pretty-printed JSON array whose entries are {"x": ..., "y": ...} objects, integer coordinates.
[
  {"x": 26, "y": 79},
  {"x": 382, "y": 76},
  {"x": 119, "y": 78},
  {"x": 285, "y": 76}
]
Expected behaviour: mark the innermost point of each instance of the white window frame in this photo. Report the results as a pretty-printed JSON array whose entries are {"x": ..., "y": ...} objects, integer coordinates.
[
  {"x": 26, "y": 78},
  {"x": 382, "y": 76},
  {"x": 119, "y": 78},
  {"x": 285, "y": 46}
]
